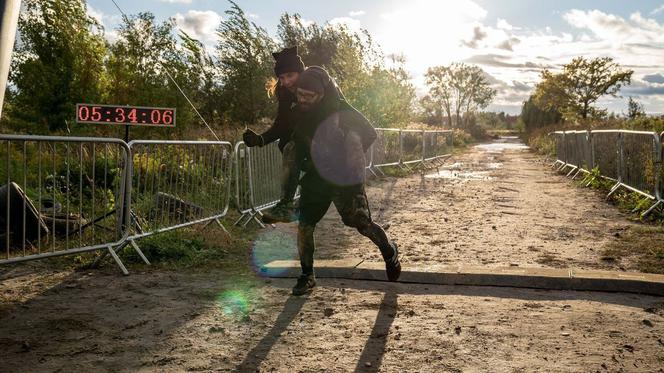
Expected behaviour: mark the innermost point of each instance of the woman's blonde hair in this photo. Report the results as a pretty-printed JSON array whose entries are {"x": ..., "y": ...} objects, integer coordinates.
[{"x": 271, "y": 85}]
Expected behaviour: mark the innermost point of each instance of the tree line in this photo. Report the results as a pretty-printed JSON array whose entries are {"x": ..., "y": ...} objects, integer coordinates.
[
  {"x": 62, "y": 57},
  {"x": 569, "y": 97}
]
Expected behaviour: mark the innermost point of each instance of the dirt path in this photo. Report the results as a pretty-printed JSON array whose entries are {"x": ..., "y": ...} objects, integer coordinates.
[
  {"x": 490, "y": 208},
  {"x": 171, "y": 322},
  {"x": 155, "y": 320}
]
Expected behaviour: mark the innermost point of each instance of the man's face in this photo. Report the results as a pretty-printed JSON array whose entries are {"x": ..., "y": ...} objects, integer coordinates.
[
  {"x": 307, "y": 99},
  {"x": 289, "y": 80}
]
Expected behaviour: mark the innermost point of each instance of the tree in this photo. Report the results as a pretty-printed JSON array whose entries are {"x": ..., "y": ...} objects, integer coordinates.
[
  {"x": 581, "y": 83},
  {"x": 245, "y": 62},
  {"x": 139, "y": 64},
  {"x": 58, "y": 62},
  {"x": 634, "y": 109},
  {"x": 460, "y": 89},
  {"x": 384, "y": 94},
  {"x": 533, "y": 117}
]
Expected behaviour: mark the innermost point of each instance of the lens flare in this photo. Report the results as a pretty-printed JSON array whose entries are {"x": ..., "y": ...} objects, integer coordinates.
[
  {"x": 273, "y": 245},
  {"x": 233, "y": 303}
]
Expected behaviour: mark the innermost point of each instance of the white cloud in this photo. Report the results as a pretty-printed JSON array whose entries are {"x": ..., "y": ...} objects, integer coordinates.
[
  {"x": 356, "y": 13},
  {"x": 504, "y": 25},
  {"x": 351, "y": 23},
  {"x": 616, "y": 29},
  {"x": 515, "y": 56},
  {"x": 201, "y": 25},
  {"x": 659, "y": 9},
  {"x": 96, "y": 14},
  {"x": 176, "y": 1},
  {"x": 253, "y": 15}
]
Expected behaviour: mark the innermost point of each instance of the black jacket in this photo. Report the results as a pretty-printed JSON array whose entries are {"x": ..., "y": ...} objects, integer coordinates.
[
  {"x": 282, "y": 128},
  {"x": 332, "y": 139}
]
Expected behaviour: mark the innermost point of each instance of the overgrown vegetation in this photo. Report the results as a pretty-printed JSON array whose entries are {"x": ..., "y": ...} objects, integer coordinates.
[
  {"x": 63, "y": 58},
  {"x": 638, "y": 248}
]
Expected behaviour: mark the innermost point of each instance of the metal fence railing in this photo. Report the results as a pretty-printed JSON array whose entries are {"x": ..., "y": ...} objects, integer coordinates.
[
  {"x": 61, "y": 195},
  {"x": 178, "y": 183},
  {"x": 630, "y": 159},
  {"x": 65, "y": 195},
  {"x": 258, "y": 180},
  {"x": 409, "y": 148}
]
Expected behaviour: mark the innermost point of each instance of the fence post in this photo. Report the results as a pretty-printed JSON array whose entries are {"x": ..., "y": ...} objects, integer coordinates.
[{"x": 424, "y": 144}]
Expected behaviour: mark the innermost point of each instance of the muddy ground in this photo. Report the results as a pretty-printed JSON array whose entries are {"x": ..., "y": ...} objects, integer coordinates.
[
  {"x": 488, "y": 207},
  {"x": 510, "y": 211}
]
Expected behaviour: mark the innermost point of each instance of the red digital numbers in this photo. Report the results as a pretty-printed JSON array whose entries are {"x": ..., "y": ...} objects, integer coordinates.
[
  {"x": 83, "y": 114},
  {"x": 167, "y": 117},
  {"x": 127, "y": 115},
  {"x": 132, "y": 116},
  {"x": 155, "y": 116},
  {"x": 119, "y": 115}
]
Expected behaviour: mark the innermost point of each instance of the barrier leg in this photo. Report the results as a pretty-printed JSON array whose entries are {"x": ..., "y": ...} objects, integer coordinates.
[
  {"x": 139, "y": 252},
  {"x": 651, "y": 209},
  {"x": 118, "y": 261},
  {"x": 613, "y": 190},
  {"x": 216, "y": 220},
  {"x": 241, "y": 218},
  {"x": 382, "y": 174},
  {"x": 570, "y": 171}
]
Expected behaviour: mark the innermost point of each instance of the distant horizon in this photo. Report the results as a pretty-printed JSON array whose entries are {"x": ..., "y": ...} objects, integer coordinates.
[{"x": 511, "y": 40}]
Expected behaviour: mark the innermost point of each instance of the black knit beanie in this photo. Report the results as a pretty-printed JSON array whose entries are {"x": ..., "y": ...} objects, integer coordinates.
[
  {"x": 287, "y": 61},
  {"x": 314, "y": 79}
]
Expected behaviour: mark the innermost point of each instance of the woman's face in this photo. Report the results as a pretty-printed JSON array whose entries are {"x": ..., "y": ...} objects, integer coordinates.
[{"x": 289, "y": 80}]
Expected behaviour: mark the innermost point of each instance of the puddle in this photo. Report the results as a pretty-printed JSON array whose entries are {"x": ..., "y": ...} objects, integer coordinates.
[
  {"x": 460, "y": 175},
  {"x": 503, "y": 144}
]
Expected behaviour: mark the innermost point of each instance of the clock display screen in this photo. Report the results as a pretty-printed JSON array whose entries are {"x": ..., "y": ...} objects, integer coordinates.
[{"x": 126, "y": 115}]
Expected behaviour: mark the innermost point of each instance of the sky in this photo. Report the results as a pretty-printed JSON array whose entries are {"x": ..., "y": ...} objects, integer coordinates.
[{"x": 512, "y": 40}]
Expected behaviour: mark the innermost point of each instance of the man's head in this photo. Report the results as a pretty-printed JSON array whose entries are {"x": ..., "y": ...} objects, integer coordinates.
[
  {"x": 312, "y": 87},
  {"x": 287, "y": 67}
]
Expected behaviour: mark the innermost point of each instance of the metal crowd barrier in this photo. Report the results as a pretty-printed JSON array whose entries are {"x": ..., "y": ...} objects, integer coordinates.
[
  {"x": 630, "y": 159},
  {"x": 406, "y": 148},
  {"x": 62, "y": 195},
  {"x": 386, "y": 149},
  {"x": 257, "y": 180},
  {"x": 65, "y": 195}
]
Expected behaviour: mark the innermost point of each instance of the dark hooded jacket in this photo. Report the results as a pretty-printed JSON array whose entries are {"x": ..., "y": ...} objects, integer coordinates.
[
  {"x": 282, "y": 128},
  {"x": 332, "y": 138}
]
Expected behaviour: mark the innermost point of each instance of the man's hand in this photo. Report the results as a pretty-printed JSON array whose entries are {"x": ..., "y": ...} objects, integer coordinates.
[{"x": 252, "y": 139}]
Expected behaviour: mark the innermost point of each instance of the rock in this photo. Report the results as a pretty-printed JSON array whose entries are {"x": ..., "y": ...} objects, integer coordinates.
[
  {"x": 25, "y": 346},
  {"x": 647, "y": 322},
  {"x": 457, "y": 330},
  {"x": 215, "y": 329},
  {"x": 328, "y": 312},
  {"x": 367, "y": 364},
  {"x": 565, "y": 334}
]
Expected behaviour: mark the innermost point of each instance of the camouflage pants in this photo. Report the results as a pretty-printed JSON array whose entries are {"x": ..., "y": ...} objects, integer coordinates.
[
  {"x": 290, "y": 172},
  {"x": 351, "y": 204}
]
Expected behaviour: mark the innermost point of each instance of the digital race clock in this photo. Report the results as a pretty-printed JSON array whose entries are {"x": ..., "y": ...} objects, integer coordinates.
[{"x": 126, "y": 115}]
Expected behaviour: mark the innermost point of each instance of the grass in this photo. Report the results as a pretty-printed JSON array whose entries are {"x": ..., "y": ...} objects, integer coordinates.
[
  {"x": 638, "y": 248},
  {"x": 627, "y": 201}
]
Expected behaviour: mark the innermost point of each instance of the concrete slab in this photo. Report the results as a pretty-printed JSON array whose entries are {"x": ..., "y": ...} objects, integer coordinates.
[
  {"x": 628, "y": 282},
  {"x": 342, "y": 268},
  {"x": 537, "y": 278}
]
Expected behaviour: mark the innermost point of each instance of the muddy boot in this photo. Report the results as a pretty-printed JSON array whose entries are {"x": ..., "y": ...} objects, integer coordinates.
[
  {"x": 304, "y": 284},
  {"x": 283, "y": 212},
  {"x": 392, "y": 265}
]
